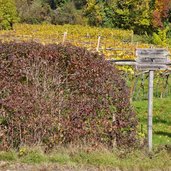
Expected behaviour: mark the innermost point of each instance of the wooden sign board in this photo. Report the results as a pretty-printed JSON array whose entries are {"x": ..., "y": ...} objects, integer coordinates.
[
  {"x": 153, "y": 67},
  {"x": 152, "y": 59}
]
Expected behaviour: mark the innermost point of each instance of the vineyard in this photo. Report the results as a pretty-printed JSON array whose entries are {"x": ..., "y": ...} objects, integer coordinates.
[{"x": 113, "y": 43}]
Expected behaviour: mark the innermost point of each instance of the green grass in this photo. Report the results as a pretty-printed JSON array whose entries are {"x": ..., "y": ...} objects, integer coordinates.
[
  {"x": 8, "y": 156},
  {"x": 161, "y": 119},
  {"x": 79, "y": 157},
  {"x": 34, "y": 157},
  {"x": 59, "y": 157}
]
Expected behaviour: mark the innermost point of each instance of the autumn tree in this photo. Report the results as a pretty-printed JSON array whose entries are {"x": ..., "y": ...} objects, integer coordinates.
[
  {"x": 160, "y": 13},
  {"x": 140, "y": 16}
]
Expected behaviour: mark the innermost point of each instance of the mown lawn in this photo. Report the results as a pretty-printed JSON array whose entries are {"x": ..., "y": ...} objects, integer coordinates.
[{"x": 161, "y": 119}]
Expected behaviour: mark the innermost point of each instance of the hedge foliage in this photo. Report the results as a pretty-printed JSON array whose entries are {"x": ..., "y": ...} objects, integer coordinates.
[{"x": 60, "y": 94}]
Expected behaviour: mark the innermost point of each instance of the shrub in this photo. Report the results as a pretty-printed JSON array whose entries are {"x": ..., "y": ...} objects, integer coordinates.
[
  {"x": 161, "y": 37},
  {"x": 60, "y": 94}
]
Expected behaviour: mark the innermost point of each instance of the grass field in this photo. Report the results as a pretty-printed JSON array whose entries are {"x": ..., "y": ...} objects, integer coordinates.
[
  {"x": 99, "y": 159},
  {"x": 161, "y": 119}
]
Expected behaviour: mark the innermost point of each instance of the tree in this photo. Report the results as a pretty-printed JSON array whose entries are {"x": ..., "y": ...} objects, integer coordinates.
[
  {"x": 52, "y": 4},
  {"x": 79, "y": 4},
  {"x": 95, "y": 12},
  {"x": 67, "y": 14},
  {"x": 141, "y": 15},
  {"x": 161, "y": 13},
  {"x": 126, "y": 14},
  {"x": 8, "y": 14},
  {"x": 34, "y": 11},
  {"x": 133, "y": 14},
  {"x": 55, "y": 3}
]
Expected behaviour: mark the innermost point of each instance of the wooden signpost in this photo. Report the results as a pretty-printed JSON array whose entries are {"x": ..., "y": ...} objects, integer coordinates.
[
  {"x": 152, "y": 59},
  {"x": 149, "y": 60}
]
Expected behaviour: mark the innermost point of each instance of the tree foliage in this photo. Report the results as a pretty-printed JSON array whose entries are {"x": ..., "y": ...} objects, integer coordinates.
[
  {"x": 127, "y": 14},
  {"x": 161, "y": 13},
  {"x": 141, "y": 16},
  {"x": 8, "y": 14}
]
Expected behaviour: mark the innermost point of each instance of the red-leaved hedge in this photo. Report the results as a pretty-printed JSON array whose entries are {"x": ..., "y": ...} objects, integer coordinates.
[{"x": 60, "y": 94}]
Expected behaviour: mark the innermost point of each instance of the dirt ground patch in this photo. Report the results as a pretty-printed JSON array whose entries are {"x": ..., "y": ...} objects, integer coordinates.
[{"x": 5, "y": 166}]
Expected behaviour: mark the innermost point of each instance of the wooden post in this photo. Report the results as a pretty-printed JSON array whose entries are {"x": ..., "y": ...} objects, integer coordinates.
[
  {"x": 64, "y": 37},
  {"x": 150, "y": 109},
  {"x": 133, "y": 87},
  {"x": 98, "y": 44}
]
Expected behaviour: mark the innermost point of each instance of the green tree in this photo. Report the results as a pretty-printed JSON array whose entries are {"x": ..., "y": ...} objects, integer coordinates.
[
  {"x": 126, "y": 14},
  {"x": 133, "y": 14},
  {"x": 80, "y": 3},
  {"x": 109, "y": 19},
  {"x": 55, "y": 3},
  {"x": 8, "y": 14},
  {"x": 67, "y": 14},
  {"x": 142, "y": 16},
  {"x": 95, "y": 12}
]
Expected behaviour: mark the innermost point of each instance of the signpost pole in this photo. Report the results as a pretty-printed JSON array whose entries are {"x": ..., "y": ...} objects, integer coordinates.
[{"x": 150, "y": 108}]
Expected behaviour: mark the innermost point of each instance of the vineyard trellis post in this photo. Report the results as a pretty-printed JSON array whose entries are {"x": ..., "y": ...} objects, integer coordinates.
[
  {"x": 98, "y": 43},
  {"x": 64, "y": 37}
]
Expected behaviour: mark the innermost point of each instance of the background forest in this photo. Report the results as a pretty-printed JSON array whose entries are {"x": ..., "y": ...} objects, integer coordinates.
[{"x": 144, "y": 17}]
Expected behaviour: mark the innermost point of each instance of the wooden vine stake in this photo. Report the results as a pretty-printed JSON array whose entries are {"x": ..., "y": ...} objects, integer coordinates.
[
  {"x": 64, "y": 37},
  {"x": 98, "y": 43}
]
